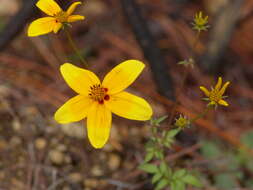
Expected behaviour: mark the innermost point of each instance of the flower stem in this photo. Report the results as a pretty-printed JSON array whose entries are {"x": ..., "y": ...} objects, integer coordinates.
[
  {"x": 73, "y": 45},
  {"x": 201, "y": 115},
  {"x": 185, "y": 75}
]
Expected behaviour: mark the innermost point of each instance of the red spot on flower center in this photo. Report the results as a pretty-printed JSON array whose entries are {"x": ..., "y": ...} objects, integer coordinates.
[
  {"x": 107, "y": 97},
  {"x": 98, "y": 93}
]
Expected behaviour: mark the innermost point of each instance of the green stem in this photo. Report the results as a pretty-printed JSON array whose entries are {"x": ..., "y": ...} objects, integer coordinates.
[
  {"x": 185, "y": 75},
  {"x": 72, "y": 44},
  {"x": 201, "y": 115}
]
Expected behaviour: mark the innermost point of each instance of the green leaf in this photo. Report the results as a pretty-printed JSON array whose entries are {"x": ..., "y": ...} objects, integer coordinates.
[
  {"x": 149, "y": 156},
  {"x": 163, "y": 167},
  {"x": 177, "y": 185},
  {"x": 192, "y": 180},
  {"x": 161, "y": 119},
  {"x": 172, "y": 133},
  {"x": 156, "y": 177},
  {"x": 159, "y": 154},
  {"x": 149, "y": 168},
  {"x": 157, "y": 121},
  {"x": 225, "y": 181},
  {"x": 179, "y": 173},
  {"x": 161, "y": 184},
  {"x": 210, "y": 150}
]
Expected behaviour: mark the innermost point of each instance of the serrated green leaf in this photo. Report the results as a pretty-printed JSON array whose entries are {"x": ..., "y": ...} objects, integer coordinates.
[
  {"x": 156, "y": 177},
  {"x": 161, "y": 184},
  {"x": 177, "y": 185},
  {"x": 149, "y": 156},
  {"x": 179, "y": 173},
  {"x": 192, "y": 180},
  {"x": 149, "y": 168}
]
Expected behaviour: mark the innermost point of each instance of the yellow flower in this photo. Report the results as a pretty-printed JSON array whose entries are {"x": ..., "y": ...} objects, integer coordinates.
[
  {"x": 200, "y": 23},
  {"x": 97, "y": 101},
  {"x": 182, "y": 122},
  {"x": 54, "y": 22},
  {"x": 215, "y": 96}
]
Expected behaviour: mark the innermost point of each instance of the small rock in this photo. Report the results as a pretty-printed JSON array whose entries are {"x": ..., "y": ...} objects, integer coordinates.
[
  {"x": 40, "y": 143},
  {"x": 15, "y": 141},
  {"x": 61, "y": 147},
  {"x": 56, "y": 157},
  {"x": 114, "y": 161},
  {"x": 74, "y": 130},
  {"x": 96, "y": 171},
  {"x": 67, "y": 159},
  {"x": 66, "y": 188},
  {"x": 91, "y": 183},
  {"x": 75, "y": 177},
  {"x": 16, "y": 125}
]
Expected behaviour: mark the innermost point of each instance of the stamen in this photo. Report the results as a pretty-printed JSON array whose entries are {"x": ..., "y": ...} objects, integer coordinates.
[{"x": 98, "y": 93}]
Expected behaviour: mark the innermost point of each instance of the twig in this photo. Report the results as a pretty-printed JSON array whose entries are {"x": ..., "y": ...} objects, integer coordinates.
[
  {"x": 17, "y": 23},
  {"x": 150, "y": 49}
]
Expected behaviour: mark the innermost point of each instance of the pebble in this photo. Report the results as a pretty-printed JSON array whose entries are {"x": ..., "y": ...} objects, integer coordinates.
[
  {"x": 61, "y": 147},
  {"x": 96, "y": 171},
  {"x": 40, "y": 143},
  {"x": 74, "y": 130},
  {"x": 75, "y": 177},
  {"x": 16, "y": 125},
  {"x": 56, "y": 157},
  {"x": 15, "y": 141},
  {"x": 90, "y": 183},
  {"x": 114, "y": 161}
]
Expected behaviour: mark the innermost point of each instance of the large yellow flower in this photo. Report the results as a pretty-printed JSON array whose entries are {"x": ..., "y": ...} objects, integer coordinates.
[
  {"x": 97, "y": 101},
  {"x": 54, "y": 22},
  {"x": 215, "y": 95}
]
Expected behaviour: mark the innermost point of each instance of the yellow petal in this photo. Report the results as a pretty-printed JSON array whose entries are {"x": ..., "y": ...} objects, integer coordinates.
[
  {"x": 80, "y": 80},
  {"x": 73, "y": 110},
  {"x": 223, "y": 89},
  {"x": 41, "y": 26},
  {"x": 50, "y": 7},
  {"x": 99, "y": 125},
  {"x": 121, "y": 76},
  {"x": 223, "y": 102},
  {"x": 129, "y": 106},
  {"x": 218, "y": 85},
  {"x": 207, "y": 93},
  {"x": 72, "y": 7},
  {"x": 74, "y": 18},
  {"x": 57, "y": 27}
]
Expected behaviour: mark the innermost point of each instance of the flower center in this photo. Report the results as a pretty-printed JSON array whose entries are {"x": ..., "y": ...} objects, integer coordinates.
[
  {"x": 215, "y": 96},
  {"x": 98, "y": 93},
  {"x": 61, "y": 17}
]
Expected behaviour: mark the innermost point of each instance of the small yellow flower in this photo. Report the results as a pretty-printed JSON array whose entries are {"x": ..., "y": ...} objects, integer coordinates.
[
  {"x": 215, "y": 96},
  {"x": 54, "y": 22},
  {"x": 97, "y": 101},
  {"x": 182, "y": 122},
  {"x": 200, "y": 23}
]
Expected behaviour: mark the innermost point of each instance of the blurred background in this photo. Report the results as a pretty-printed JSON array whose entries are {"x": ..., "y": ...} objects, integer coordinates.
[{"x": 36, "y": 153}]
